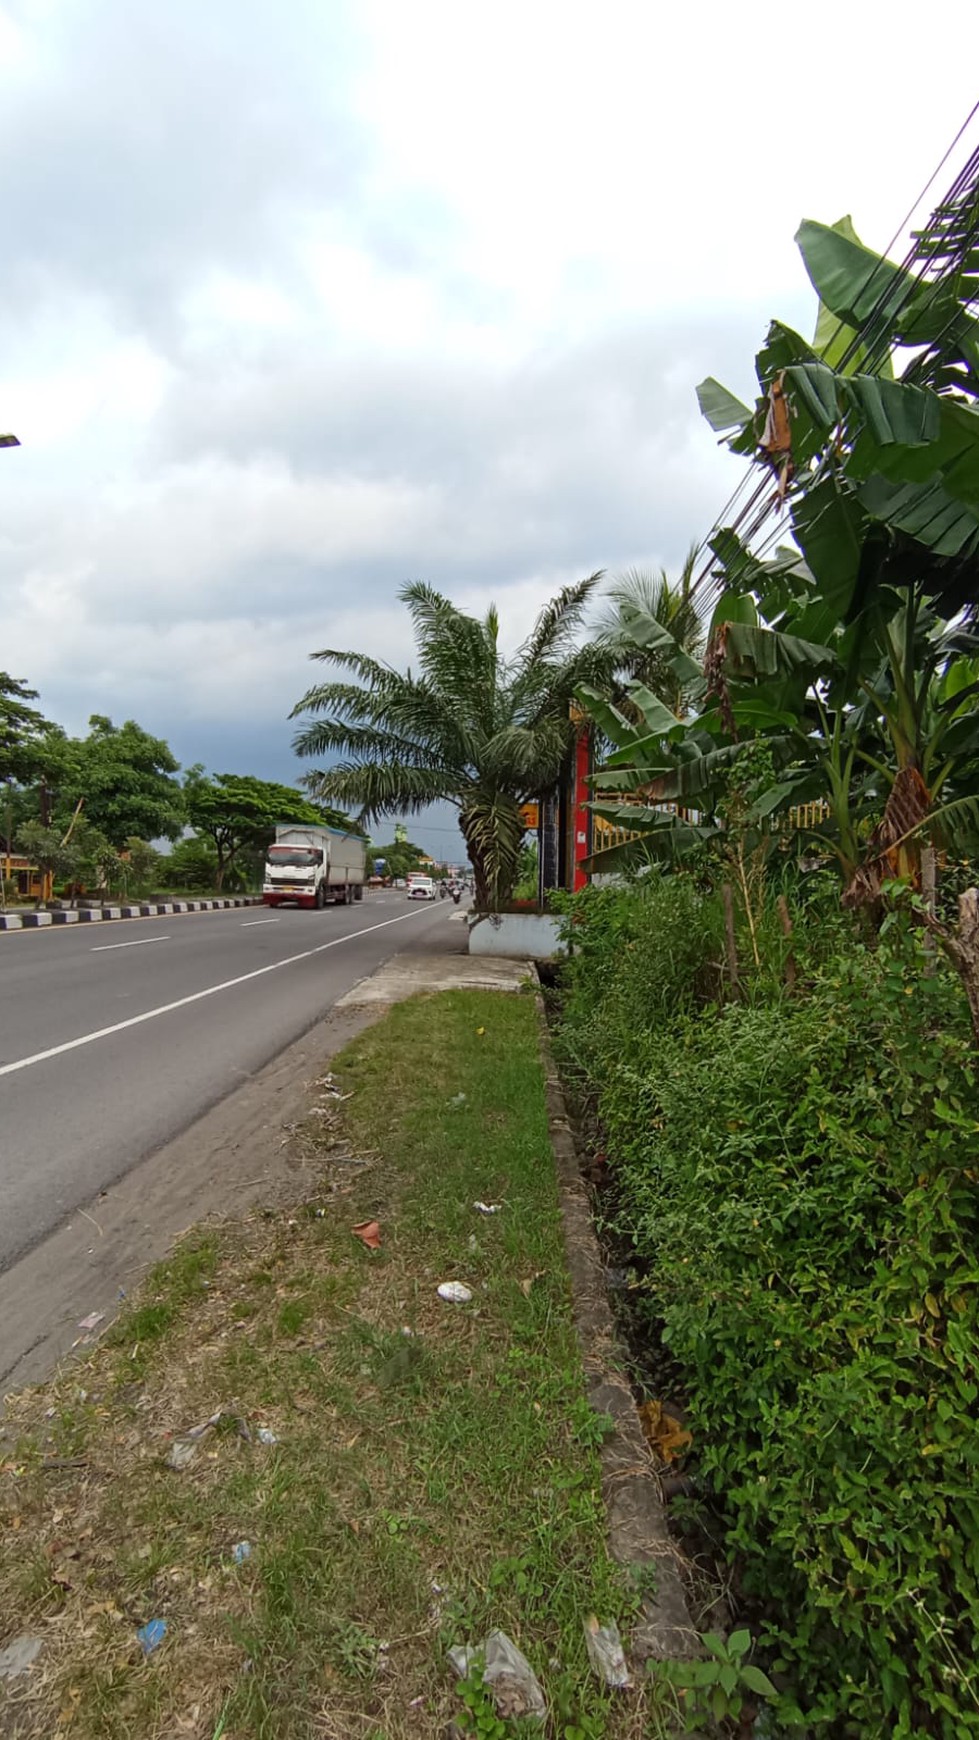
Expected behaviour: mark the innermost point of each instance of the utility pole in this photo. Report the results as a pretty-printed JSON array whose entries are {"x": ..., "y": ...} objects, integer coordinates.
[{"x": 8, "y": 441}]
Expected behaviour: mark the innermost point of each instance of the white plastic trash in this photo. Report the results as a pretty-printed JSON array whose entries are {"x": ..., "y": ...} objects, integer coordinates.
[
  {"x": 515, "y": 1688},
  {"x": 454, "y": 1293},
  {"x": 605, "y": 1652}
]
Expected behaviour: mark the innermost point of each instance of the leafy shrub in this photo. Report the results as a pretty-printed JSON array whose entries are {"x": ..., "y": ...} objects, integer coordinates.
[{"x": 800, "y": 1176}]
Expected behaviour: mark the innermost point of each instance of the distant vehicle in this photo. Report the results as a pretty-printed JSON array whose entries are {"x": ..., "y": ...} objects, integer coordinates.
[
  {"x": 422, "y": 888},
  {"x": 308, "y": 866}
]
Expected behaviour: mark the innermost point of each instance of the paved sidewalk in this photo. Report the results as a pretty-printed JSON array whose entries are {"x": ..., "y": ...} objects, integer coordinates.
[{"x": 411, "y": 975}]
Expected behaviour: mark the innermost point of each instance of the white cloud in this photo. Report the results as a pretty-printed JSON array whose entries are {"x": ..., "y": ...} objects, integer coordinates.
[{"x": 302, "y": 303}]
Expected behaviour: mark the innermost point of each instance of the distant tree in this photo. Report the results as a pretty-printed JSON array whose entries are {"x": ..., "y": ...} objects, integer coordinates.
[
  {"x": 192, "y": 865},
  {"x": 22, "y": 736},
  {"x": 238, "y": 813},
  {"x": 22, "y": 730},
  {"x": 125, "y": 777},
  {"x": 49, "y": 851},
  {"x": 399, "y": 858},
  {"x": 99, "y": 865},
  {"x": 140, "y": 864}
]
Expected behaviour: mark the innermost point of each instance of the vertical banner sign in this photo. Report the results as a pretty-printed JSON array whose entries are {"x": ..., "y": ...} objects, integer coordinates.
[{"x": 548, "y": 843}]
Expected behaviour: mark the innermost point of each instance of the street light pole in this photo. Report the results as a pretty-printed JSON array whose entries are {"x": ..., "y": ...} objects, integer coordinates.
[{"x": 8, "y": 441}]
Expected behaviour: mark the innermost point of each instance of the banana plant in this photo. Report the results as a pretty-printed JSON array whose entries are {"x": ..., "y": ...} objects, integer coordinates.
[{"x": 878, "y": 468}]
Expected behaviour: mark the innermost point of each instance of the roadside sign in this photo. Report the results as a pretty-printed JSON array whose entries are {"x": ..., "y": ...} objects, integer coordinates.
[{"x": 530, "y": 816}]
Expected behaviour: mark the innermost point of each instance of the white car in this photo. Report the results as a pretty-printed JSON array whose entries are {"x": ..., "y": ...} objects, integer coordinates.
[{"x": 422, "y": 888}]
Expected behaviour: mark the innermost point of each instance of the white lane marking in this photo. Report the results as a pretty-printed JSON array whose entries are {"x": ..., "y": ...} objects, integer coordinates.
[
  {"x": 250, "y": 923},
  {"x": 195, "y": 997},
  {"x": 137, "y": 943}
]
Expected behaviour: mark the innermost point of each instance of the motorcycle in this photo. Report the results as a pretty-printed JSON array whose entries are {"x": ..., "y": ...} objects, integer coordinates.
[{"x": 455, "y": 897}]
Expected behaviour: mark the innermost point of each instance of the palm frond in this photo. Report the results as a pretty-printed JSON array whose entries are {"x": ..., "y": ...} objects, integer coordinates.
[
  {"x": 558, "y": 620},
  {"x": 371, "y": 789},
  {"x": 458, "y": 654},
  {"x": 493, "y": 830},
  {"x": 325, "y": 736},
  {"x": 367, "y": 669},
  {"x": 527, "y": 758}
]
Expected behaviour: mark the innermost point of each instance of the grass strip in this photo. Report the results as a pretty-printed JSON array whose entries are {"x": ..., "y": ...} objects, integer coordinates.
[{"x": 434, "y": 1472}]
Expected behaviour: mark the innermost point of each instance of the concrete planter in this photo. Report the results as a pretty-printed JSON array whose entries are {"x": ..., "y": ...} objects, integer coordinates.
[{"x": 515, "y": 936}]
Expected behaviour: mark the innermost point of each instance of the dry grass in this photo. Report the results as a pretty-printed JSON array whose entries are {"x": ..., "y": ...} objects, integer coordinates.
[{"x": 422, "y": 1488}]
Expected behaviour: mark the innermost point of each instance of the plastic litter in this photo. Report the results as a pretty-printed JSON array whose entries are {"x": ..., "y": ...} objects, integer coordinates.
[
  {"x": 458, "y": 1099},
  {"x": 182, "y": 1452},
  {"x": 454, "y": 1293},
  {"x": 185, "y": 1448},
  {"x": 92, "y": 1321},
  {"x": 605, "y": 1652},
  {"x": 515, "y": 1688},
  {"x": 265, "y": 1435},
  {"x": 151, "y": 1635},
  {"x": 241, "y": 1551},
  {"x": 18, "y": 1654},
  {"x": 328, "y": 1083},
  {"x": 487, "y": 1207}
]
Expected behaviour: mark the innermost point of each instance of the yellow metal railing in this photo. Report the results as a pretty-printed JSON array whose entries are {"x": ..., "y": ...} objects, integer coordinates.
[{"x": 802, "y": 816}]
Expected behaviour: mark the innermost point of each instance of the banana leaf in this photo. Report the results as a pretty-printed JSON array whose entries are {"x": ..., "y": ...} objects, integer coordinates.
[
  {"x": 952, "y": 458},
  {"x": 779, "y": 796},
  {"x": 610, "y": 721},
  {"x": 721, "y": 409},
  {"x": 752, "y": 652},
  {"x": 836, "y": 342},
  {"x": 651, "y": 636},
  {"x": 892, "y": 411},
  {"x": 925, "y": 512},
  {"x": 859, "y": 286},
  {"x": 665, "y": 843},
  {"x": 829, "y": 526},
  {"x": 656, "y": 715}
]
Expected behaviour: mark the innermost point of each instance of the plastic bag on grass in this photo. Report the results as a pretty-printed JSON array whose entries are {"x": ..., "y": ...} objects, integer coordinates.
[
  {"x": 605, "y": 1652},
  {"x": 515, "y": 1688}
]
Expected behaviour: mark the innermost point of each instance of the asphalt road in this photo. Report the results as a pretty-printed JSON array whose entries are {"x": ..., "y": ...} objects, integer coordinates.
[{"x": 114, "y": 1039}]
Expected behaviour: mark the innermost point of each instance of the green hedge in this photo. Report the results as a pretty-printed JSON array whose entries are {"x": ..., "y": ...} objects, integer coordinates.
[{"x": 800, "y": 1178}]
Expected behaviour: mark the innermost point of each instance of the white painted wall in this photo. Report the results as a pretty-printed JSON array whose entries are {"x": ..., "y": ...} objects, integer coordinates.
[{"x": 515, "y": 936}]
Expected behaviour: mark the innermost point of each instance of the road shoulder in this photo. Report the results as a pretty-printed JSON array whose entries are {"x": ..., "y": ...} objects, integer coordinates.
[{"x": 236, "y": 1154}]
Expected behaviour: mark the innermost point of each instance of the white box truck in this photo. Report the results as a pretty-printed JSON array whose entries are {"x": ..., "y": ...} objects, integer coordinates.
[{"x": 307, "y": 866}]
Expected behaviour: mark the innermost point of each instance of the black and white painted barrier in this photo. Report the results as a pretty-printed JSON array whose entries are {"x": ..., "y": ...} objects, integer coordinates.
[{"x": 101, "y": 914}]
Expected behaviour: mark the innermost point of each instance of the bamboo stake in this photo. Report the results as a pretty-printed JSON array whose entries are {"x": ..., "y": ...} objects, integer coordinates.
[
  {"x": 732, "y": 947},
  {"x": 785, "y": 921}
]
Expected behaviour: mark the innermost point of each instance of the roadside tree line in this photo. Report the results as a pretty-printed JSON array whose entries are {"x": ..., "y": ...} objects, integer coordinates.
[{"x": 86, "y": 810}]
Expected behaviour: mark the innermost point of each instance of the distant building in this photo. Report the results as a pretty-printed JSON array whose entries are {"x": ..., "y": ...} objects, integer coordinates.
[{"x": 29, "y": 882}]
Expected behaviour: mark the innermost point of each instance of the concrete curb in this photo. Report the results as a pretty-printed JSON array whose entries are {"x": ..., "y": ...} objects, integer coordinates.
[
  {"x": 637, "y": 1524},
  {"x": 93, "y": 914}
]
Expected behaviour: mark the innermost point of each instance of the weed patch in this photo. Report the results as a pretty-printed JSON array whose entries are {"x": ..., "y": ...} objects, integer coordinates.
[{"x": 406, "y": 1473}]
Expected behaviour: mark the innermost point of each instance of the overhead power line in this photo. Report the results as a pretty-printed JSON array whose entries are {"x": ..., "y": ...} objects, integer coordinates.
[{"x": 931, "y": 262}]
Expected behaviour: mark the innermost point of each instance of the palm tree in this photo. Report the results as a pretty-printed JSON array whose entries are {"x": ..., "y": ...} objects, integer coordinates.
[
  {"x": 639, "y": 594},
  {"x": 483, "y": 732}
]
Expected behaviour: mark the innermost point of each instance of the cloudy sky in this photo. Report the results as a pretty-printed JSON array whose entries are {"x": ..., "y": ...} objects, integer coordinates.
[{"x": 303, "y": 301}]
